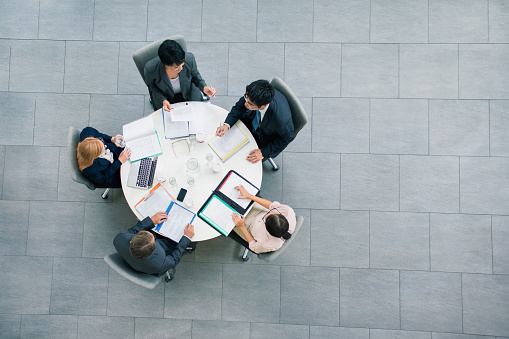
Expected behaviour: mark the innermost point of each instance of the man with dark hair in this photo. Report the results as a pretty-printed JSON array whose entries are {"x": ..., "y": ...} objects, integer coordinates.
[
  {"x": 173, "y": 77},
  {"x": 265, "y": 111},
  {"x": 145, "y": 252}
]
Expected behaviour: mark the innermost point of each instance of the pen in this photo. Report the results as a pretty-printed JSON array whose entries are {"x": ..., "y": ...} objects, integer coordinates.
[{"x": 220, "y": 130}]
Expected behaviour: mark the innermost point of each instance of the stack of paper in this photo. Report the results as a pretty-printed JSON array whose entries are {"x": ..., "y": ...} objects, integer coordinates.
[{"x": 184, "y": 119}]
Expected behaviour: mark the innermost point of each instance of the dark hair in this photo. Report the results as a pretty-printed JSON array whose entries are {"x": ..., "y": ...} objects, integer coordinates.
[
  {"x": 171, "y": 53},
  {"x": 260, "y": 92},
  {"x": 277, "y": 226},
  {"x": 141, "y": 246}
]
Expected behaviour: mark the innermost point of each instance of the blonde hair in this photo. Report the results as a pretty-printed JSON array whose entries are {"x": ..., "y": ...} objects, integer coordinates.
[{"x": 88, "y": 150}]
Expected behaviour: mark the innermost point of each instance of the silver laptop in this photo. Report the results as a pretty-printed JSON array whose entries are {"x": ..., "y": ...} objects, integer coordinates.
[{"x": 142, "y": 173}]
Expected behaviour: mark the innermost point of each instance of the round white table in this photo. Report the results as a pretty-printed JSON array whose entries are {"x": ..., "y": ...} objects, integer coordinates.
[{"x": 206, "y": 181}]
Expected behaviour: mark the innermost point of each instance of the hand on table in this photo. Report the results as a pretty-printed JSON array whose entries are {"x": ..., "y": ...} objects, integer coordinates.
[
  {"x": 238, "y": 220},
  {"x": 221, "y": 130},
  {"x": 254, "y": 156},
  {"x": 210, "y": 91},
  {"x": 189, "y": 231},
  {"x": 126, "y": 154},
  {"x": 166, "y": 106},
  {"x": 244, "y": 194},
  {"x": 159, "y": 217}
]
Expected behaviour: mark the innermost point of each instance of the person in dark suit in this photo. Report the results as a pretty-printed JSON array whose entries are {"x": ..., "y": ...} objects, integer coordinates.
[
  {"x": 100, "y": 157},
  {"x": 265, "y": 111},
  {"x": 145, "y": 252},
  {"x": 173, "y": 77}
]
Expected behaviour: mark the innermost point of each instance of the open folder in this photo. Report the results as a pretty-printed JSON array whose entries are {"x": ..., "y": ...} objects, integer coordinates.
[
  {"x": 233, "y": 140},
  {"x": 178, "y": 218},
  {"x": 223, "y": 202},
  {"x": 141, "y": 137}
]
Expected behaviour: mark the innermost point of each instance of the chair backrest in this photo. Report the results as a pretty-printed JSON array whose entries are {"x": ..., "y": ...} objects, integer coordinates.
[
  {"x": 269, "y": 256},
  {"x": 299, "y": 116},
  {"x": 115, "y": 261},
  {"x": 149, "y": 52},
  {"x": 73, "y": 138}
]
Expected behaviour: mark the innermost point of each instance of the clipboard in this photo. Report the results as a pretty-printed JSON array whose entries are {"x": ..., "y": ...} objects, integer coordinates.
[
  {"x": 158, "y": 193},
  {"x": 173, "y": 227},
  {"x": 219, "y": 200}
]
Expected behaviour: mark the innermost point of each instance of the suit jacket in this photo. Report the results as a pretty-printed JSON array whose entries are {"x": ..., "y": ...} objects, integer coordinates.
[
  {"x": 159, "y": 86},
  {"x": 276, "y": 127},
  {"x": 102, "y": 172},
  {"x": 166, "y": 255}
]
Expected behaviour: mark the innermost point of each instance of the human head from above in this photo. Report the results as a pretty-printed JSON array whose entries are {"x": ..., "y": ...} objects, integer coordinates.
[
  {"x": 88, "y": 150},
  {"x": 258, "y": 95},
  {"x": 277, "y": 225},
  {"x": 142, "y": 245},
  {"x": 172, "y": 55}
]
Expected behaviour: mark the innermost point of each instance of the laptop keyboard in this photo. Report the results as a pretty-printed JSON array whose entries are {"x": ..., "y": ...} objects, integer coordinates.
[{"x": 146, "y": 172}]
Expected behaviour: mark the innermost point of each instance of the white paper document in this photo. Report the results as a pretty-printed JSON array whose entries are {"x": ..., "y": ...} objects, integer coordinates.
[
  {"x": 228, "y": 189},
  {"x": 178, "y": 218},
  {"x": 174, "y": 129},
  {"x": 219, "y": 214},
  {"x": 226, "y": 145},
  {"x": 141, "y": 137},
  {"x": 157, "y": 201},
  {"x": 182, "y": 113}
]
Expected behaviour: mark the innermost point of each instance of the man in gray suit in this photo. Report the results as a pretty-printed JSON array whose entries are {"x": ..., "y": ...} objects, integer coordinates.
[
  {"x": 143, "y": 251},
  {"x": 173, "y": 77}
]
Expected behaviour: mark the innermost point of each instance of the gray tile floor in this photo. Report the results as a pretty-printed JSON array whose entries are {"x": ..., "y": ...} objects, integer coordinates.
[{"x": 402, "y": 173}]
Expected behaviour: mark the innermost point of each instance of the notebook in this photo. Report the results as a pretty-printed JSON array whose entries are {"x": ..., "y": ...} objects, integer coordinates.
[{"x": 141, "y": 137}]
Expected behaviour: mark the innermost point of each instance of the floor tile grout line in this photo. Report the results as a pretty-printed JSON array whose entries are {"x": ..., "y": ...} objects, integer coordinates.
[
  {"x": 459, "y": 184},
  {"x": 462, "y": 306},
  {"x": 488, "y": 19},
  {"x": 489, "y": 128},
  {"x": 201, "y": 22},
  {"x": 458, "y": 82},
  {"x": 492, "y": 247},
  {"x": 146, "y": 26},
  {"x": 428, "y": 21},
  {"x": 429, "y": 242},
  {"x": 93, "y": 23},
  {"x": 399, "y": 296}
]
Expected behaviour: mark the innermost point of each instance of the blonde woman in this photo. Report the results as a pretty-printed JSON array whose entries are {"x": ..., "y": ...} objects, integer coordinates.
[{"x": 100, "y": 157}]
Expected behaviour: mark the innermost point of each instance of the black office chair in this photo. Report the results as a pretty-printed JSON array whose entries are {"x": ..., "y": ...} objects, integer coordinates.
[
  {"x": 73, "y": 138},
  {"x": 299, "y": 116}
]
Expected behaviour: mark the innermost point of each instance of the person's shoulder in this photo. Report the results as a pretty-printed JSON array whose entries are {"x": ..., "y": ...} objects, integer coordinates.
[
  {"x": 122, "y": 238},
  {"x": 189, "y": 56},
  {"x": 152, "y": 65},
  {"x": 280, "y": 106},
  {"x": 189, "y": 59}
]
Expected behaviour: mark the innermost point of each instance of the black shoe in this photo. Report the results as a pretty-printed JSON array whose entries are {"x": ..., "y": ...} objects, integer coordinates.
[{"x": 190, "y": 249}]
